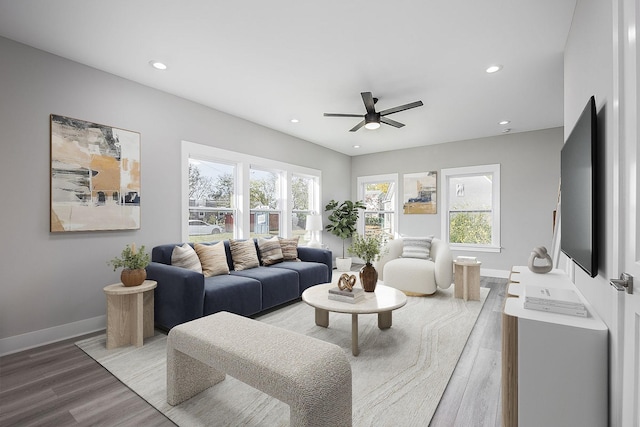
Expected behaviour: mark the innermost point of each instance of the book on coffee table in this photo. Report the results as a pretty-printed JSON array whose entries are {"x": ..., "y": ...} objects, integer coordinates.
[{"x": 353, "y": 296}]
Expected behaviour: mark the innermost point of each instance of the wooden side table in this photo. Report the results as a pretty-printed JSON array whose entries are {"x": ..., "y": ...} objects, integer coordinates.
[
  {"x": 129, "y": 313},
  {"x": 467, "y": 280}
]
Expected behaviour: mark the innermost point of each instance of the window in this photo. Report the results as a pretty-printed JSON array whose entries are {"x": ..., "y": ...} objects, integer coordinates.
[
  {"x": 264, "y": 202},
  {"x": 379, "y": 195},
  {"x": 306, "y": 198},
  {"x": 211, "y": 200},
  {"x": 471, "y": 217},
  {"x": 234, "y": 195}
]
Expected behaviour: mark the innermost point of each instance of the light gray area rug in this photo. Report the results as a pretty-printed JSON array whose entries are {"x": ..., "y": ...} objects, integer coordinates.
[{"x": 398, "y": 378}]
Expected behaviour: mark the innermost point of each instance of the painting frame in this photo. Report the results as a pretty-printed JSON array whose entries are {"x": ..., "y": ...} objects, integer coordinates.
[
  {"x": 420, "y": 193},
  {"x": 94, "y": 176}
]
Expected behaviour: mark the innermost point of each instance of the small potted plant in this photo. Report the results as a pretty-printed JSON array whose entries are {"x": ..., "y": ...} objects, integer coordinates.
[
  {"x": 133, "y": 263},
  {"x": 343, "y": 221},
  {"x": 368, "y": 248}
]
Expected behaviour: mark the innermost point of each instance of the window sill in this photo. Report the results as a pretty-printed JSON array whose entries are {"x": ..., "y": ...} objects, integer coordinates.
[{"x": 472, "y": 248}]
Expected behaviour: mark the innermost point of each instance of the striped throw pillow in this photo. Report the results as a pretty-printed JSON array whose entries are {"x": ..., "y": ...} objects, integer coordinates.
[
  {"x": 289, "y": 248},
  {"x": 184, "y": 256},
  {"x": 416, "y": 247},
  {"x": 213, "y": 259},
  {"x": 270, "y": 251},
  {"x": 243, "y": 254}
]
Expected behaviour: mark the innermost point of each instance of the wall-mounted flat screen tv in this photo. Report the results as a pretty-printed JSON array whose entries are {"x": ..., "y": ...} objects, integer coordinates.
[{"x": 578, "y": 192}]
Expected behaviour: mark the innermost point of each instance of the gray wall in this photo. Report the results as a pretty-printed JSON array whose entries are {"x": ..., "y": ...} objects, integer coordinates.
[
  {"x": 588, "y": 70},
  {"x": 529, "y": 177},
  {"x": 56, "y": 280}
]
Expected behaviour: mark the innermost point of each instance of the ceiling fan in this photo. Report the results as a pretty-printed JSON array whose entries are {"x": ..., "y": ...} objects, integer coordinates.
[{"x": 372, "y": 119}]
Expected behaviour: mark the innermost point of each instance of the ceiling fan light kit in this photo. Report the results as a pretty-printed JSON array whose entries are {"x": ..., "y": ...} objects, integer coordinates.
[
  {"x": 372, "y": 118},
  {"x": 372, "y": 121}
]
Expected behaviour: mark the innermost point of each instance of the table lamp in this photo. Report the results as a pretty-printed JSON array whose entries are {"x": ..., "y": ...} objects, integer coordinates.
[{"x": 314, "y": 224}]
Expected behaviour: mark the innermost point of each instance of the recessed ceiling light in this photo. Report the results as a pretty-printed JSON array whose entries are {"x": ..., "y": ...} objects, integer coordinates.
[
  {"x": 295, "y": 121},
  {"x": 158, "y": 65},
  {"x": 494, "y": 68},
  {"x": 356, "y": 146},
  {"x": 506, "y": 131},
  {"x": 504, "y": 122}
]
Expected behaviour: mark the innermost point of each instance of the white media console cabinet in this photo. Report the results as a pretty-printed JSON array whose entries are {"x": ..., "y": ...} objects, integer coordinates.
[{"x": 554, "y": 366}]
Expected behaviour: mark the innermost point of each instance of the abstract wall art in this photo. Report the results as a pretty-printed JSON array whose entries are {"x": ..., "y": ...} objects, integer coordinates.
[
  {"x": 420, "y": 191},
  {"x": 95, "y": 176}
]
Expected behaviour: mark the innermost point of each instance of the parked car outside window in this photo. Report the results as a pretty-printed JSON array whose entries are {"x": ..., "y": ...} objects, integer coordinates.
[{"x": 197, "y": 227}]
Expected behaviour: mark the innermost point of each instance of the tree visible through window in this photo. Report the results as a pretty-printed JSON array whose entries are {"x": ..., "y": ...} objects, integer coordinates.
[
  {"x": 211, "y": 200},
  {"x": 379, "y": 195},
  {"x": 235, "y": 195},
  {"x": 472, "y": 198},
  {"x": 264, "y": 192},
  {"x": 303, "y": 193}
]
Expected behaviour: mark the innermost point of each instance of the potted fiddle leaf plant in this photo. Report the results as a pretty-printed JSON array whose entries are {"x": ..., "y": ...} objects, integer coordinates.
[
  {"x": 343, "y": 221},
  {"x": 133, "y": 264},
  {"x": 368, "y": 248}
]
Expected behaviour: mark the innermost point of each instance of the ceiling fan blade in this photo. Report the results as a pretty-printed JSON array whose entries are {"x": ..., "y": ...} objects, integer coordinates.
[
  {"x": 367, "y": 97},
  {"x": 356, "y": 127},
  {"x": 341, "y": 115},
  {"x": 401, "y": 108},
  {"x": 390, "y": 122}
]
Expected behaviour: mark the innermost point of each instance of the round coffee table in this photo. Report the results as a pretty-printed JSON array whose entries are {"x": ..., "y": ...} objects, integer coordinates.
[{"x": 383, "y": 301}]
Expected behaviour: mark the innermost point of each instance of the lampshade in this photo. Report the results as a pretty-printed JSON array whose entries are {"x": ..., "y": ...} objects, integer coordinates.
[{"x": 314, "y": 223}]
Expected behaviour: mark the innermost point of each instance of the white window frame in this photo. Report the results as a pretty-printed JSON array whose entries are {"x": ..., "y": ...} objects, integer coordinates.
[
  {"x": 281, "y": 191},
  {"x": 313, "y": 203},
  {"x": 446, "y": 175},
  {"x": 243, "y": 163},
  {"x": 373, "y": 179}
]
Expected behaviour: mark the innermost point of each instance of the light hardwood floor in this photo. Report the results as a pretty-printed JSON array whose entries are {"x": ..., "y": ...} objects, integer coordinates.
[
  {"x": 473, "y": 397},
  {"x": 59, "y": 385}
]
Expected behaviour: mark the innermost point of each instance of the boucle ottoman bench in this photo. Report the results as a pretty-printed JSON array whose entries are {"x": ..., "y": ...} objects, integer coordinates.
[{"x": 313, "y": 377}]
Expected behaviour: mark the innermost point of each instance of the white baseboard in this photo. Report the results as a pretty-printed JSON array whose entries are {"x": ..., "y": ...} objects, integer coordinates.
[
  {"x": 33, "y": 339},
  {"x": 487, "y": 272}
]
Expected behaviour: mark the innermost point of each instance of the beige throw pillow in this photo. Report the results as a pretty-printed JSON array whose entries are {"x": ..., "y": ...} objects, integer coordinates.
[
  {"x": 184, "y": 256},
  {"x": 213, "y": 259},
  {"x": 289, "y": 248},
  {"x": 270, "y": 251},
  {"x": 243, "y": 253}
]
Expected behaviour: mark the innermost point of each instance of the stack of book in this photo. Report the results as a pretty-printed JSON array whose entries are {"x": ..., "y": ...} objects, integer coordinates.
[
  {"x": 353, "y": 296},
  {"x": 554, "y": 300}
]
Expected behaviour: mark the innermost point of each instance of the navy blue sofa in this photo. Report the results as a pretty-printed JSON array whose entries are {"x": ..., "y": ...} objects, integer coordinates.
[{"x": 183, "y": 295}]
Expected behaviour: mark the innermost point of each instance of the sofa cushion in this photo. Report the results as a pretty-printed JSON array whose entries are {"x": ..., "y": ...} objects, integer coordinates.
[
  {"x": 184, "y": 256},
  {"x": 244, "y": 255},
  {"x": 416, "y": 247},
  {"x": 270, "y": 250},
  {"x": 289, "y": 248},
  {"x": 279, "y": 285},
  {"x": 309, "y": 273},
  {"x": 213, "y": 259},
  {"x": 235, "y": 294}
]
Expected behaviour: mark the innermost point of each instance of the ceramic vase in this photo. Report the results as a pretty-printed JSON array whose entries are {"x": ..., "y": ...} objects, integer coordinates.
[{"x": 368, "y": 277}]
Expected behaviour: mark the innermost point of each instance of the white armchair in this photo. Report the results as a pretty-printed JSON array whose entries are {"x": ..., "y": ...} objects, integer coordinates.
[{"x": 414, "y": 275}]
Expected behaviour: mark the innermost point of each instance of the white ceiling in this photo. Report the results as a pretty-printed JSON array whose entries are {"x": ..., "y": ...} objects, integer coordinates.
[{"x": 271, "y": 61}]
